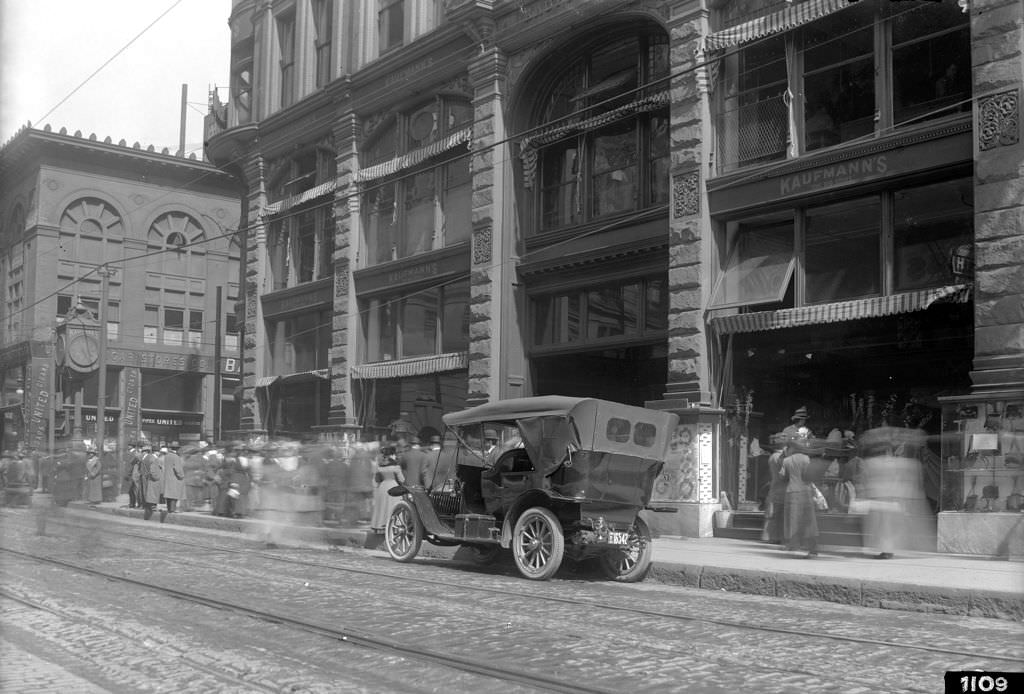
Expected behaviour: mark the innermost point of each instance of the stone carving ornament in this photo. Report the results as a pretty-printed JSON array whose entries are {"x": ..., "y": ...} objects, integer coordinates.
[{"x": 999, "y": 120}]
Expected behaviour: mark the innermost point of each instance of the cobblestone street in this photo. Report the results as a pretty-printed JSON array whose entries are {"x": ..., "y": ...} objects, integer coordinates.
[{"x": 95, "y": 634}]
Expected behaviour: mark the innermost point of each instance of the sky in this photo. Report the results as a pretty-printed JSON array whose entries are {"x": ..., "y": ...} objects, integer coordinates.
[{"x": 48, "y": 48}]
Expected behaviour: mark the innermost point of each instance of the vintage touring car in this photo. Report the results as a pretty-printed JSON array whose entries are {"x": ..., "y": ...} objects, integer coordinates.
[{"x": 549, "y": 477}]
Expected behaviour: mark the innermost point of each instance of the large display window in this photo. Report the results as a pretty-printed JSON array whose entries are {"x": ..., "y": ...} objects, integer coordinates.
[{"x": 983, "y": 454}]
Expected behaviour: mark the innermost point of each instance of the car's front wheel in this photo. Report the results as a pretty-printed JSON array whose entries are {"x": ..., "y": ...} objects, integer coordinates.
[
  {"x": 538, "y": 544},
  {"x": 631, "y": 563},
  {"x": 404, "y": 532}
]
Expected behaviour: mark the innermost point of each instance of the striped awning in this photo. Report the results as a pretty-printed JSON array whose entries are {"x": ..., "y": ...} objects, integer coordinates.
[
  {"x": 529, "y": 145},
  {"x": 839, "y": 311},
  {"x": 303, "y": 197},
  {"x": 264, "y": 381},
  {"x": 310, "y": 375},
  {"x": 783, "y": 20},
  {"x": 413, "y": 158},
  {"x": 416, "y": 366}
]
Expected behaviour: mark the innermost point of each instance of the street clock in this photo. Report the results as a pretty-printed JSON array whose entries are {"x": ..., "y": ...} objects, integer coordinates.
[{"x": 78, "y": 347}]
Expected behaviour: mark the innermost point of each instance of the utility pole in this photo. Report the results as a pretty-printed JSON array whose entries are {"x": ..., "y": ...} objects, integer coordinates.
[
  {"x": 105, "y": 274},
  {"x": 51, "y": 416},
  {"x": 184, "y": 107},
  {"x": 217, "y": 380}
]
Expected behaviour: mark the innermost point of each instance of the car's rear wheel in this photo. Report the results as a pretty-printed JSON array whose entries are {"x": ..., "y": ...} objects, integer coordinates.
[
  {"x": 404, "y": 532},
  {"x": 537, "y": 544},
  {"x": 631, "y": 563}
]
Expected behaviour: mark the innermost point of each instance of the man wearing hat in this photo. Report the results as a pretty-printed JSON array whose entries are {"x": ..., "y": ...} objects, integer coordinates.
[
  {"x": 93, "y": 480},
  {"x": 151, "y": 472},
  {"x": 412, "y": 460},
  {"x": 174, "y": 480},
  {"x": 797, "y": 422},
  {"x": 491, "y": 450}
]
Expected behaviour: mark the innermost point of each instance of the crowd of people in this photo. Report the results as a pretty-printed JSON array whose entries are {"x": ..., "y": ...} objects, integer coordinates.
[
  {"x": 289, "y": 481},
  {"x": 279, "y": 480},
  {"x": 884, "y": 470}
]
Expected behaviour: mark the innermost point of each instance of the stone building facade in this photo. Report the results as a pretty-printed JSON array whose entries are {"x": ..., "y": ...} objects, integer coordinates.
[{"x": 719, "y": 207}]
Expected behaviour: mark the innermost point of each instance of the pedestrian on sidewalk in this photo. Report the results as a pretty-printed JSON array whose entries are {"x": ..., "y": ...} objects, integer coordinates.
[
  {"x": 359, "y": 495},
  {"x": 132, "y": 478},
  {"x": 174, "y": 480},
  {"x": 388, "y": 475},
  {"x": 898, "y": 514},
  {"x": 412, "y": 459},
  {"x": 775, "y": 511},
  {"x": 93, "y": 478},
  {"x": 152, "y": 474},
  {"x": 801, "y": 521}
]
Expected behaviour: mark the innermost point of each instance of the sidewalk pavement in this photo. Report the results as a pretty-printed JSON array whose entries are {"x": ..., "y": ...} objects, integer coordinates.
[{"x": 912, "y": 581}]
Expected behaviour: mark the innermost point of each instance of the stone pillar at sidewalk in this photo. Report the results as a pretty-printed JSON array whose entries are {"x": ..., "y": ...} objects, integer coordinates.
[{"x": 996, "y": 39}]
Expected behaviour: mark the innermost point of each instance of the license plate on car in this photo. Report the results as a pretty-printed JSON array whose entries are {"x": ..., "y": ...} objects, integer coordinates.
[{"x": 618, "y": 538}]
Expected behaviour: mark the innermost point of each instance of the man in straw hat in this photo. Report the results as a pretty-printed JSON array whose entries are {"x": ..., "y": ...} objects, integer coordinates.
[{"x": 797, "y": 422}]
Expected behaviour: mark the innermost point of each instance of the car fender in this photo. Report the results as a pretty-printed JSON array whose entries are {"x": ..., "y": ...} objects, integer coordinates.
[{"x": 529, "y": 499}]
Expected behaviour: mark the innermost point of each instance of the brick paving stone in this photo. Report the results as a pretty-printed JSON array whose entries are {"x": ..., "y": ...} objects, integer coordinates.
[{"x": 26, "y": 673}]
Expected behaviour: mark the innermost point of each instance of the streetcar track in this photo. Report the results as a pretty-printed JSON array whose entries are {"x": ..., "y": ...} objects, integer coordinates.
[
  {"x": 692, "y": 618},
  {"x": 70, "y": 617},
  {"x": 345, "y": 635}
]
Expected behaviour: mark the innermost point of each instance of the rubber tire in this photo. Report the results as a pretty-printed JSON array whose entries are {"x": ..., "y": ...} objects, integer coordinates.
[
  {"x": 630, "y": 565},
  {"x": 538, "y": 545},
  {"x": 403, "y": 534}
]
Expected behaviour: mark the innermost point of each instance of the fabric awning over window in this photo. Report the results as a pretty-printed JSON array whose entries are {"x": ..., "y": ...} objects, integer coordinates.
[
  {"x": 839, "y": 311},
  {"x": 264, "y": 381},
  {"x": 531, "y": 143},
  {"x": 305, "y": 376},
  {"x": 415, "y": 157},
  {"x": 303, "y": 197},
  {"x": 416, "y": 366},
  {"x": 783, "y": 20}
]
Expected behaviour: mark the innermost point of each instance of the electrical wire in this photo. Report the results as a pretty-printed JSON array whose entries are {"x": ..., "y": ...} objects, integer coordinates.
[
  {"x": 362, "y": 190},
  {"x": 110, "y": 59}
]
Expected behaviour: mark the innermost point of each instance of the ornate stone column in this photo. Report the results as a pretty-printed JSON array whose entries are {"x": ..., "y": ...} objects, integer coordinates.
[
  {"x": 689, "y": 480},
  {"x": 345, "y": 325},
  {"x": 255, "y": 250},
  {"x": 996, "y": 39},
  {"x": 496, "y": 362}
]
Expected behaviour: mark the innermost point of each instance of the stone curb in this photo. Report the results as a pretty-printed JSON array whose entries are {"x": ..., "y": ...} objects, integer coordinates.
[{"x": 846, "y": 591}]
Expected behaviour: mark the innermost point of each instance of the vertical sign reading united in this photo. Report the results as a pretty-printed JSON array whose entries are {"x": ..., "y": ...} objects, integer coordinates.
[
  {"x": 37, "y": 400},
  {"x": 132, "y": 402}
]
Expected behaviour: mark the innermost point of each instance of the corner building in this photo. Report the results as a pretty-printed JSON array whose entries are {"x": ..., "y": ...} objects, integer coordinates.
[
  {"x": 725, "y": 208},
  {"x": 163, "y": 225}
]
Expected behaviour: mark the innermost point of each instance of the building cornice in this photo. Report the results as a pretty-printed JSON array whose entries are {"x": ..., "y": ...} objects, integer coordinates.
[{"x": 31, "y": 144}]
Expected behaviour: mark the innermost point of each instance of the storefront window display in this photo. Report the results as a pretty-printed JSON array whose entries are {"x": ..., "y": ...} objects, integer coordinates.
[{"x": 983, "y": 454}]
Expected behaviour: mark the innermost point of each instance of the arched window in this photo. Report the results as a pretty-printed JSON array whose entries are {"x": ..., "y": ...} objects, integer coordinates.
[
  {"x": 91, "y": 233},
  {"x": 176, "y": 237},
  {"x": 600, "y": 143}
]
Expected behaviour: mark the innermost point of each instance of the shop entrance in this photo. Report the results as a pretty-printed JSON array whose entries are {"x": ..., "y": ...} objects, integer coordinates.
[
  {"x": 630, "y": 375},
  {"x": 856, "y": 375}
]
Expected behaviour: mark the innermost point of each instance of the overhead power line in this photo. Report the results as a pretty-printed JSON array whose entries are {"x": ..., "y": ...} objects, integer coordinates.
[{"x": 109, "y": 61}]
